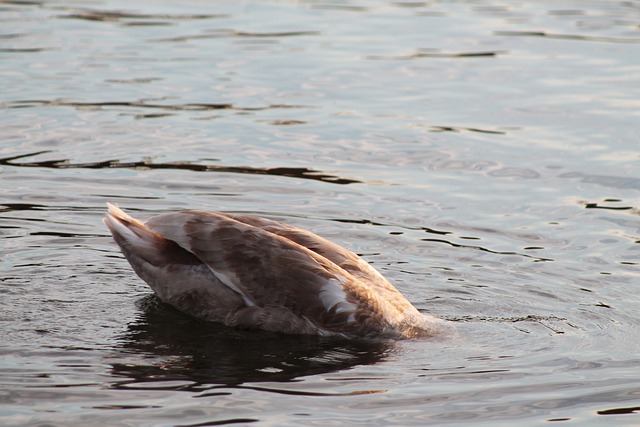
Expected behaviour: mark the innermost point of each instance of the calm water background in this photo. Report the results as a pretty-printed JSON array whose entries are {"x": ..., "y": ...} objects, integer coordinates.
[{"x": 483, "y": 155}]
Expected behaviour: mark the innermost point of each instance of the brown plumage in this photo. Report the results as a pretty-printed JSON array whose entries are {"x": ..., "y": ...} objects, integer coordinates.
[{"x": 255, "y": 273}]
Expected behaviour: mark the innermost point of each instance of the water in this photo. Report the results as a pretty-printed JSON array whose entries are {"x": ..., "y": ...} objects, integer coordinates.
[{"x": 482, "y": 155}]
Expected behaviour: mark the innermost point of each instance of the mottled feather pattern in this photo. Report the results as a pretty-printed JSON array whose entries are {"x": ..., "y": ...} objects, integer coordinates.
[{"x": 251, "y": 272}]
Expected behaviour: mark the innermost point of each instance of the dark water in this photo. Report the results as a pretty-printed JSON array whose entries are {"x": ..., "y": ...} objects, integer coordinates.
[{"x": 483, "y": 156}]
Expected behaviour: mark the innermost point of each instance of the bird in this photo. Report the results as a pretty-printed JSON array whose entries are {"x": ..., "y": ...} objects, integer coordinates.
[{"x": 249, "y": 272}]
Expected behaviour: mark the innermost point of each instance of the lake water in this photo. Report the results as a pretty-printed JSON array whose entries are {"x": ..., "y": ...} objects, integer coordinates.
[{"x": 484, "y": 156}]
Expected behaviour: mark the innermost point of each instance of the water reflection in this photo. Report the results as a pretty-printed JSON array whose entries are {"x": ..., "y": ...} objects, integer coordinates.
[
  {"x": 591, "y": 38},
  {"x": 193, "y": 106},
  {"x": 129, "y": 18},
  {"x": 184, "y": 353},
  {"x": 435, "y": 54},
  {"x": 291, "y": 172}
]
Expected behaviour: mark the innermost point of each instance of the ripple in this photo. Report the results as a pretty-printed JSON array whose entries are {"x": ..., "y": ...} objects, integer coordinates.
[
  {"x": 620, "y": 411},
  {"x": 221, "y": 422},
  {"x": 418, "y": 55},
  {"x": 291, "y": 172},
  {"x": 25, "y": 50},
  {"x": 197, "y": 106},
  {"x": 120, "y": 16},
  {"x": 620, "y": 182},
  {"x": 568, "y": 36},
  {"x": 513, "y": 172}
]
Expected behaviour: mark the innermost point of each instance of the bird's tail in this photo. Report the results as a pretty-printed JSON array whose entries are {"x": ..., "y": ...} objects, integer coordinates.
[{"x": 134, "y": 237}]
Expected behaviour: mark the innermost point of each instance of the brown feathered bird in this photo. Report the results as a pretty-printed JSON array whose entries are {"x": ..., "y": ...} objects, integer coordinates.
[{"x": 254, "y": 273}]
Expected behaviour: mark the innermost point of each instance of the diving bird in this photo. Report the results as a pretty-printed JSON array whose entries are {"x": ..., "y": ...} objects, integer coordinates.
[{"x": 254, "y": 273}]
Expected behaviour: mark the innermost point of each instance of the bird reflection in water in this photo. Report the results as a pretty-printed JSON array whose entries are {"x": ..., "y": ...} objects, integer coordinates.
[{"x": 166, "y": 349}]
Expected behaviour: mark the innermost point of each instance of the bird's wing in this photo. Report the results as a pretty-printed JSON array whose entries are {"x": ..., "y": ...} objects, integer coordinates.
[
  {"x": 340, "y": 256},
  {"x": 266, "y": 269}
]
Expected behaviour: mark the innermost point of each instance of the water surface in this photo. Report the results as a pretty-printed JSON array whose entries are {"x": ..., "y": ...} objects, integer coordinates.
[{"x": 483, "y": 156}]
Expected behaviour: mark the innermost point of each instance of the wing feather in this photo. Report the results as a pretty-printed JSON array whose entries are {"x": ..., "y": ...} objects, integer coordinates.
[
  {"x": 342, "y": 257},
  {"x": 266, "y": 269}
]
